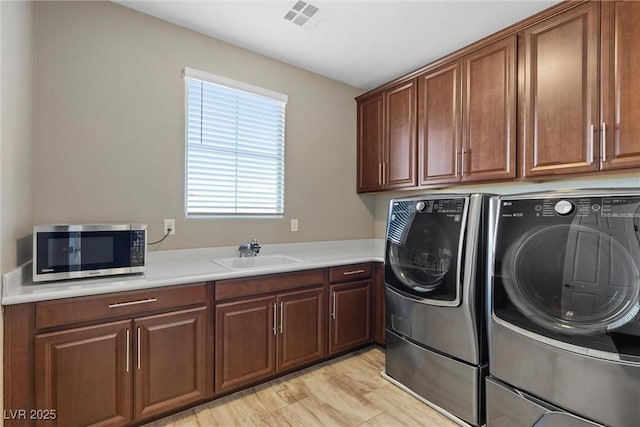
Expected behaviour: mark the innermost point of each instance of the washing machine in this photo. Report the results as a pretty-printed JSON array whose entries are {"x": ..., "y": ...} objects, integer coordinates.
[
  {"x": 563, "y": 308},
  {"x": 434, "y": 294}
]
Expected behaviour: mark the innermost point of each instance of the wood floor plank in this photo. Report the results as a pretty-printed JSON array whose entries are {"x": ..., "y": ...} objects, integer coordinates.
[
  {"x": 346, "y": 391},
  {"x": 385, "y": 419},
  {"x": 334, "y": 394},
  {"x": 409, "y": 410},
  {"x": 244, "y": 409},
  {"x": 309, "y": 412},
  {"x": 283, "y": 391},
  {"x": 204, "y": 417},
  {"x": 181, "y": 419},
  {"x": 358, "y": 374}
]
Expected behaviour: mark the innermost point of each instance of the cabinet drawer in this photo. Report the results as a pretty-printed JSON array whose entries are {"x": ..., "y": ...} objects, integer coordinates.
[
  {"x": 252, "y": 286},
  {"x": 84, "y": 309},
  {"x": 348, "y": 273}
]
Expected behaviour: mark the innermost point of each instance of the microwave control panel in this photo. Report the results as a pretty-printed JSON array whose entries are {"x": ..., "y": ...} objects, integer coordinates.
[{"x": 138, "y": 247}]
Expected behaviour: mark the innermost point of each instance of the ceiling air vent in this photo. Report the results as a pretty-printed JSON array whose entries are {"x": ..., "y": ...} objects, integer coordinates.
[{"x": 301, "y": 13}]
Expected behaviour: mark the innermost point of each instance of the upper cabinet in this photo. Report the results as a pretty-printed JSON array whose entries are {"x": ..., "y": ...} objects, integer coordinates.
[
  {"x": 467, "y": 117},
  {"x": 399, "y": 166},
  {"x": 387, "y": 139},
  {"x": 489, "y": 113},
  {"x": 550, "y": 96},
  {"x": 560, "y": 103},
  {"x": 566, "y": 129},
  {"x": 439, "y": 136},
  {"x": 370, "y": 145},
  {"x": 620, "y": 120}
]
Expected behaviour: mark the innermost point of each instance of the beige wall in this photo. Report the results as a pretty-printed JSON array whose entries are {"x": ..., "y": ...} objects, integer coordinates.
[
  {"x": 109, "y": 134},
  {"x": 16, "y": 81},
  {"x": 631, "y": 180}
]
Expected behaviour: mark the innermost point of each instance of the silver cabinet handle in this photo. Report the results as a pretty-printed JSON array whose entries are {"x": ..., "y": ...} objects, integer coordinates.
[
  {"x": 124, "y": 304},
  {"x": 462, "y": 161},
  {"x": 349, "y": 273},
  {"x": 333, "y": 309},
  {"x": 138, "y": 348},
  {"x": 281, "y": 315},
  {"x": 379, "y": 173},
  {"x": 274, "y": 319},
  {"x": 128, "y": 347},
  {"x": 591, "y": 127},
  {"x": 604, "y": 142},
  {"x": 455, "y": 163}
]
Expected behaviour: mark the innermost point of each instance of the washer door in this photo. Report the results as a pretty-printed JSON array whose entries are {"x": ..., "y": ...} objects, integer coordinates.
[
  {"x": 424, "y": 249},
  {"x": 574, "y": 278}
]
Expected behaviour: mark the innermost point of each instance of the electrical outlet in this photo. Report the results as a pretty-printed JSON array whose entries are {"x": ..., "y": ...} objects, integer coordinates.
[
  {"x": 294, "y": 224},
  {"x": 169, "y": 224}
]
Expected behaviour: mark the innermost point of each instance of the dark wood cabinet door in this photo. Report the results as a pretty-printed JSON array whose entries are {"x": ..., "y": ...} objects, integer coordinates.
[
  {"x": 370, "y": 143},
  {"x": 244, "y": 342},
  {"x": 489, "y": 112},
  {"x": 399, "y": 167},
  {"x": 301, "y": 337},
  {"x": 84, "y": 374},
  {"x": 439, "y": 125},
  {"x": 350, "y": 324},
  {"x": 620, "y": 127},
  {"x": 561, "y": 93},
  {"x": 170, "y": 361}
]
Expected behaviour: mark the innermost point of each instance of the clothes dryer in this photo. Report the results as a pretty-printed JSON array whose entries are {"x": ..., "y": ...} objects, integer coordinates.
[
  {"x": 434, "y": 290},
  {"x": 564, "y": 322}
]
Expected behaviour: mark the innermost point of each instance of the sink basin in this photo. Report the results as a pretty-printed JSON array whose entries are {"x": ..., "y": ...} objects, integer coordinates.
[{"x": 259, "y": 261}]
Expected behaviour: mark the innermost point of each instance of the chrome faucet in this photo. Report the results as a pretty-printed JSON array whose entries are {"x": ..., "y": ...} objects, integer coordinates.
[{"x": 249, "y": 249}]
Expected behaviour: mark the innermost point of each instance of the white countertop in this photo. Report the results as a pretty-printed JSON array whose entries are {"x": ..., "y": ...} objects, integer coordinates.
[{"x": 176, "y": 267}]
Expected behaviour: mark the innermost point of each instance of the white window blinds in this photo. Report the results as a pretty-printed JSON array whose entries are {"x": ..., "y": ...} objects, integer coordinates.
[{"x": 235, "y": 148}]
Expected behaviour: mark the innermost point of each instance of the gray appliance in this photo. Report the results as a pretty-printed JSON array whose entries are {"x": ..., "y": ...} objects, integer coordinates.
[
  {"x": 75, "y": 251},
  {"x": 434, "y": 292},
  {"x": 563, "y": 309}
]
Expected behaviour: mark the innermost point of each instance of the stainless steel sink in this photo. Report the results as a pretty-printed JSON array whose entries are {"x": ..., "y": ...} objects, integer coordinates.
[{"x": 260, "y": 261}]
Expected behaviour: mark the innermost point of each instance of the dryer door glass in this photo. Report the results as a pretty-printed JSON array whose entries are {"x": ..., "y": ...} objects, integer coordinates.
[
  {"x": 570, "y": 270},
  {"x": 572, "y": 278},
  {"x": 424, "y": 247}
]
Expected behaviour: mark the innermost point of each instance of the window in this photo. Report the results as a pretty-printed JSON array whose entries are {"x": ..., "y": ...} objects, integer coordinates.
[{"x": 235, "y": 148}]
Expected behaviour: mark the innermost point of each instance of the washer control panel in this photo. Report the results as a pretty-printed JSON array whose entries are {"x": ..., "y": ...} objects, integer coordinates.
[{"x": 605, "y": 207}]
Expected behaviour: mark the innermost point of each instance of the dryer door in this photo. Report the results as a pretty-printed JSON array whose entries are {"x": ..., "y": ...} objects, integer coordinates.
[
  {"x": 571, "y": 271},
  {"x": 424, "y": 248}
]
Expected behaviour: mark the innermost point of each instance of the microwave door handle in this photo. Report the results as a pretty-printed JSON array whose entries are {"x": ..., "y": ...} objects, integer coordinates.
[
  {"x": 75, "y": 251},
  {"x": 71, "y": 256}
]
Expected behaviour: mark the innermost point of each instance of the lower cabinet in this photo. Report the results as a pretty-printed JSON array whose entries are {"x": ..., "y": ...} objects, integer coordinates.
[
  {"x": 124, "y": 358},
  {"x": 120, "y": 372},
  {"x": 244, "y": 342},
  {"x": 350, "y": 324},
  {"x": 84, "y": 375},
  {"x": 258, "y": 337},
  {"x": 301, "y": 329},
  {"x": 171, "y": 365}
]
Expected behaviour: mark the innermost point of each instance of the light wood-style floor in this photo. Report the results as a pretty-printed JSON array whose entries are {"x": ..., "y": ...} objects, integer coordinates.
[{"x": 347, "y": 391}]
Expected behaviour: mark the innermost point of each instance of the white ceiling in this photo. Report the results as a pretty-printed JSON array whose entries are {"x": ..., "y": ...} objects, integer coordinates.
[{"x": 363, "y": 43}]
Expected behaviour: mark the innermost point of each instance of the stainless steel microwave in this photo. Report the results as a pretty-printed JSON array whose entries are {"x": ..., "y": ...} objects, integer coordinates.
[{"x": 78, "y": 251}]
